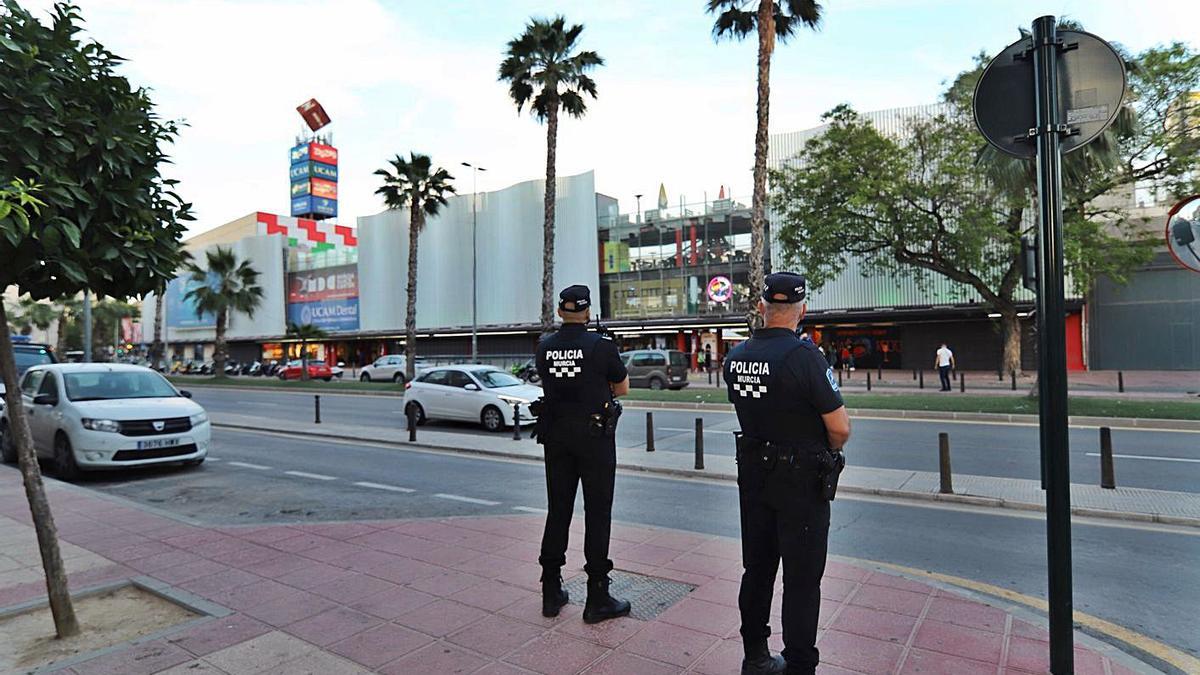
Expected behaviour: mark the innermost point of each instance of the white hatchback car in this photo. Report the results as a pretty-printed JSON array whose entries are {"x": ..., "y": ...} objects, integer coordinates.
[
  {"x": 88, "y": 416},
  {"x": 472, "y": 393},
  {"x": 388, "y": 368}
]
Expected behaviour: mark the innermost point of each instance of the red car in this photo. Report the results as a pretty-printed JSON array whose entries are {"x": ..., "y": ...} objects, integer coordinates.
[{"x": 317, "y": 370}]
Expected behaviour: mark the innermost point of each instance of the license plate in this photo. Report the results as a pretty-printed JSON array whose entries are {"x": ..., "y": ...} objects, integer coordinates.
[{"x": 157, "y": 443}]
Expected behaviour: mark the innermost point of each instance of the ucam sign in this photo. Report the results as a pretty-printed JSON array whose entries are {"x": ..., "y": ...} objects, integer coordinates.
[{"x": 332, "y": 315}]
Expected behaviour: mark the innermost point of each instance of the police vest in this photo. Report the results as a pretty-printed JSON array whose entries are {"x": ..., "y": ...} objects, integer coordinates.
[
  {"x": 573, "y": 376},
  {"x": 771, "y": 400}
]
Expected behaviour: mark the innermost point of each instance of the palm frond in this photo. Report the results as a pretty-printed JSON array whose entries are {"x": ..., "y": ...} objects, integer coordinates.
[{"x": 539, "y": 65}]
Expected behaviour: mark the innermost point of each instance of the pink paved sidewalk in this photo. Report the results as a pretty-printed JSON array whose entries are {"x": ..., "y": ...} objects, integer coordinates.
[{"x": 459, "y": 595}]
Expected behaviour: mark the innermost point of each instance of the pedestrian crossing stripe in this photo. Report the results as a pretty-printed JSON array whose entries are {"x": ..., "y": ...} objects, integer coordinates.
[
  {"x": 565, "y": 371},
  {"x": 750, "y": 390}
]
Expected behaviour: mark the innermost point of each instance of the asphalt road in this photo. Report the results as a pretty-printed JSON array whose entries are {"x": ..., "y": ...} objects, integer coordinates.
[
  {"x": 1141, "y": 577},
  {"x": 1163, "y": 460}
]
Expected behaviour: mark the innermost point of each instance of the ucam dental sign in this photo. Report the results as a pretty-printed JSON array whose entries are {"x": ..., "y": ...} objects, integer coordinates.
[{"x": 332, "y": 315}]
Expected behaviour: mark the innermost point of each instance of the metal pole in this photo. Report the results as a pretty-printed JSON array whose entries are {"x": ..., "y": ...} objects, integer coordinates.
[
  {"x": 1120, "y": 382},
  {"x": 1107, "y": 478},
  {"x": 1052, "y": 342},
  {"x": 516, "y": 422},
  {"x": 921, "y": 379},
  {"x": 410, "y": 413},
  {"x": 868, "y": 380},
  {"x": 649, "y": 432},
  {"x": 962, "y": 382},
  {"x": 1014, "y": 380},
  {"x": 317, "y": 409},
  {"x": 699, "y": 443},
  {"x": 944, "y": 485},
  {"x": 87, "y": 326}
]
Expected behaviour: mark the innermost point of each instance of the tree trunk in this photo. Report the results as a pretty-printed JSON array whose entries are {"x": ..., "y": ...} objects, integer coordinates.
[
  {"x": 548, "y": 225},
  {"x": 303, "y": 359},
  {"x": 1011, "y": 330},
  {"x": 416, "y": 220},
  {"x": 157, "y": 347},
  {"x": 65, "y": 623},
  {"x": 758, "y": 216},
  {"x": 219, "y": 344}
]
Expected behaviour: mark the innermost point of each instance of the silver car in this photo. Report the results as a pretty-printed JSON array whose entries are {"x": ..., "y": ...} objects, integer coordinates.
[{"x": 387, "y": 368}]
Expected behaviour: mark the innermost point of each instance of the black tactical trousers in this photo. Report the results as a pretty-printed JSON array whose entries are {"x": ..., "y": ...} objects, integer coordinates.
[
  {"x": 574, "y": 456},
  {"x": 783, "y": 515}
]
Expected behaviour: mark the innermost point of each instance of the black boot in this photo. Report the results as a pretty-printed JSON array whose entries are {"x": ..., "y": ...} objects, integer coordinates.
[
  {"x": 759, "y": 661},
  {"x": 600, "y": 605},
  {"x": 553, "y": 595}
]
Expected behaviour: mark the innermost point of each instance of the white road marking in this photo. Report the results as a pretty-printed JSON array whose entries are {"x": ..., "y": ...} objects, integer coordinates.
[
  {"x": 378, "y": 486},
  {"x": 248, "y": 465},
  {"x": 529, "y": 509},
  {"x": 676, "y": 429},
  {"x": 469, "y": 500},
  {"x": 314, "y": 476},
  {"x": 1161, "y": 459},
  {"x": 214, "y": 459}
]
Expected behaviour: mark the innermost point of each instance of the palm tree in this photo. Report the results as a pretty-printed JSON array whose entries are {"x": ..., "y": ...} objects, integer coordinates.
[
  {"x": 305, "y": 333},
  {"x": 227, "y": 285},
  {"x": 417, "y": 186},
  {"x": 542, "y": 71},
  {"x": 737, "y": 19}
]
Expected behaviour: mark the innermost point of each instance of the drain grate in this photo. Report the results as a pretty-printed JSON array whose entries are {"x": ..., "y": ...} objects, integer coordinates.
[{"x": 650, "y": 596}]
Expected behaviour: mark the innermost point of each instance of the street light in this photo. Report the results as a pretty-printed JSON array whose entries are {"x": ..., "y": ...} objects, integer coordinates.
[
  {"x": 474, "y": 225},
  {"x": 639, "y": 207}
]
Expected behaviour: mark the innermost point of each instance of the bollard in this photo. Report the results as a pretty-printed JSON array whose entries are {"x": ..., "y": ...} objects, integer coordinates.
[
  {"x": 944, "y": 485},
  {"x": 516, "y": 422},
  {"x": 649, "y": 432},
  {"x": 317, "y": 409},
  {"x": 920, "y": 379},
  {"x": 699, "y": 443},
  {"x": 879, "y": 373},
  {"x": 1000, "y": 374},
  {"x": 710, "y": 377},
  {"x": 962, "y": 382},
  {"x": 839, "y": 378},
  {"x": 1120, "y": 381},
  {"x": 914, "y": 374},
  {"x": 1014, "y": 380},
  {"x": 410, "y": 413},
  {"x": 1107, "y": 479},
  {"x": 868, "y": 380}
]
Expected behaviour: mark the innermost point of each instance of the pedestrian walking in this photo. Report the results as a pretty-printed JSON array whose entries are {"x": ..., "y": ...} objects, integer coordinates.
[
  {"x": 709, "y": 363},
  {"x": 793, "y": 426},
  {"x": 944, "y": 361},
  {"x": 582, "y": 374}
]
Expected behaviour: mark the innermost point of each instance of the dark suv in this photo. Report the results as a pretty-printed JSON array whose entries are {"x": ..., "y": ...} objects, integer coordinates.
[{"x": 657, "y": 368}]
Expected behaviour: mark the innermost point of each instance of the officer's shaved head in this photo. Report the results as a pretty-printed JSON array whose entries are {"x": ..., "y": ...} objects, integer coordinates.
[{"x": 782, "y": 314}]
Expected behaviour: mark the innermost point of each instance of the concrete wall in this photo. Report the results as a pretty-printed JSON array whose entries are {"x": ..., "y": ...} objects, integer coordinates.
[{"x": 1151, "y": 323}]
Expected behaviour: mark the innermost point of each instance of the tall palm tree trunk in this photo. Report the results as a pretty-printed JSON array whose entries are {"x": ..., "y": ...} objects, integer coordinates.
[
  {"x": 157, "y": 348},
  {"x": 219, "y": 355},
  {"x": 548, "y": 225},
  {"x": 65, "y": 623},
  {"x": 766, "y": 44},
  {"x": 410, "y": 315}
]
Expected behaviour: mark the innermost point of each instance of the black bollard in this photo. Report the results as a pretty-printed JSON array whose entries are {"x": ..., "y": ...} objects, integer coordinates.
[
  {"x": 516, "y": 422},
  {"x": 920, "y": 379},
  {"x": 1107, "y": 479},
  {"x": 944, "y": 485},
  {"x": 410, "y": 413},
  {"x": 914, "y": 374},
  {"x": 839, "y": 379},
  {"x": 962, "y": 382},
  {"x": 709, "y": 377},
  {"x": 1014, "y": 380},
  {"x": 879, "y": 373},
  {"x": 317, "y": 409},
  {"x": 649, "y": 432},
  {"x": 1000, "y": 374},
  {"x": 868, "y": 380},
  {"x": 1120, "y": 381},
  {"x": 699, "y": 443}
]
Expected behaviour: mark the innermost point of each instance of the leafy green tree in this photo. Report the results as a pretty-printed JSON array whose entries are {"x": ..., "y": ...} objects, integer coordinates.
[
  {"x": 935, "y": 200},
  {"x": 109, "y": 223},
  {"x": 771, "y": 21},
  {"x": 30, "y": 314},
  {"x": 225, "y": 285},
  {"x": 544, "y": 71},
  {"x": 305, "y": 333},
  {"x": 421, "y": 189}
]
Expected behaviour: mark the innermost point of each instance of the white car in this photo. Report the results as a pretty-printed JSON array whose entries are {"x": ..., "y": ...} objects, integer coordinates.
[
  {"x": 89, "y": 416},
  {"x": 388, "y": 368},
  {"x": 483, "y": 394}
]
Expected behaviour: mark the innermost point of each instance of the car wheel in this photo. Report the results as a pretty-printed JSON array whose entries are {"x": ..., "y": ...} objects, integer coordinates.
[
  {"x": 491, "y": 418},
  {"x": 398, "y": 378},
  {"x": 64, "y": 459},
  {"x": 366, "y": 377},
  {"x": 420, "y": 412},
  {"x": 8, "y": 449},
  {"x": 656, "y": 383},
  {"x": 328, "y": 379}
]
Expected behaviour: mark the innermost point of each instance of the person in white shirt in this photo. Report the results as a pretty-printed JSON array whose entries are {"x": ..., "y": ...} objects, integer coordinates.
[{"x": 944, "y": 361}]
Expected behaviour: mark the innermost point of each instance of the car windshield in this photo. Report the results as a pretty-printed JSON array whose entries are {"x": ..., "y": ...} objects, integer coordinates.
[
  {"x": 107, "y": 385},
  {"x": 494, "y": 379},
  {"x": 28, "y": 357}
]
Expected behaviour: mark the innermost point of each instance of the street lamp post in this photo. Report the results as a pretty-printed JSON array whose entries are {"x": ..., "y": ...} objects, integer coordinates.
[
  {"x": 639, "y": 208},
  {"x": 474, "y": 225}
]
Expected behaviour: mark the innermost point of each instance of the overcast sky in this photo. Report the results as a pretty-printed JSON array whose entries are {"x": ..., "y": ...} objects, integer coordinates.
[{"x": 399, "y": 75}]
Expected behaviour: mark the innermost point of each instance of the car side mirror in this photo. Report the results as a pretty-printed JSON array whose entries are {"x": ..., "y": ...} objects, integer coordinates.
[
  {"x": 471, "y": 386},
  {"x": 45, "y": 399},
  {"x": 185, "y": 393}
]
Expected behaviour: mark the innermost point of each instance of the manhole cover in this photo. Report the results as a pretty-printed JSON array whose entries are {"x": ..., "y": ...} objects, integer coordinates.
[{"x": 650, "y": 596}]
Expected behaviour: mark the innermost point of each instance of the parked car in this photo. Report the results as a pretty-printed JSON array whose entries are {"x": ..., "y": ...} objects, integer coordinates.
[
  {"x": 90, "y": 416},
  {"x": 472, "y": 393},
  {"x": 317, "y": 370},
  {"x": 28, "y": 354},
  {"x": 656, "y": 368},
  {"x": 338, "y": 370},
  {"x": 387, "y": 368}
]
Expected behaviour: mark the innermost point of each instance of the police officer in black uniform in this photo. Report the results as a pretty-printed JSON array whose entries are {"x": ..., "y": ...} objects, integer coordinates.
[
  {"x": 582, "y": 373},
  {"x": 788, "y": 451}
]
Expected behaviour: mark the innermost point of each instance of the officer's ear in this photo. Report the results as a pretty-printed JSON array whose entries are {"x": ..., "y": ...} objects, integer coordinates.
[{"x": 803, "y": 310}]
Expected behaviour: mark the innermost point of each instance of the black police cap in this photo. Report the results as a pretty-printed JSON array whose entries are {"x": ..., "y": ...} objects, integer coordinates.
[
  {"x": 785, "y": 287},
  {"x": 575, "y": 298}
]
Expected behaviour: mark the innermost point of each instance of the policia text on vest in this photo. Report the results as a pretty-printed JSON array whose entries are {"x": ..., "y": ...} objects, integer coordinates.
[
  {"x": 582, "y": 374},
  {"x": 793, "y": 426}
]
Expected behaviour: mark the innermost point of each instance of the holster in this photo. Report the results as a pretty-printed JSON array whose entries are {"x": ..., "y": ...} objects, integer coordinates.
[
  {"x": 832, "y": 463},
  {"x": 544, "y": 418},
  {"x": 604, "y": 423}
]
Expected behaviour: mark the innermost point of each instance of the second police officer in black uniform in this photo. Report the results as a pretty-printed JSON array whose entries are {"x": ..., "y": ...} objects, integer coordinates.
[
  {"x": 581, "y": 373},
  {"x": 793, "y": 426}
]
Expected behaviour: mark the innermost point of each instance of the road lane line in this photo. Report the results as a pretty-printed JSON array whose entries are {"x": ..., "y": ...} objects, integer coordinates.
[
  {"x": 1155, "y": 457},
  {"x": 379, "y": 486},
  {"x": 469, "y": 500},
  {"x": 529, "y": 509},
  {"x": 248, "y": 465},
  {"x": 314, "y": 476}
]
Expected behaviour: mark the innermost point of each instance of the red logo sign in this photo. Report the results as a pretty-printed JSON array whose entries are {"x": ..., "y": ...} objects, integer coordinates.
[
  {"x": 324, "y": 188},
  {"x": 330, "y": 283},
  {"x": 318, "y": 152}
]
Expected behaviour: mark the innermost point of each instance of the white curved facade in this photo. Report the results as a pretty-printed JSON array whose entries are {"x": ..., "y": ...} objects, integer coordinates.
[{"x": 509, "y": 249}]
